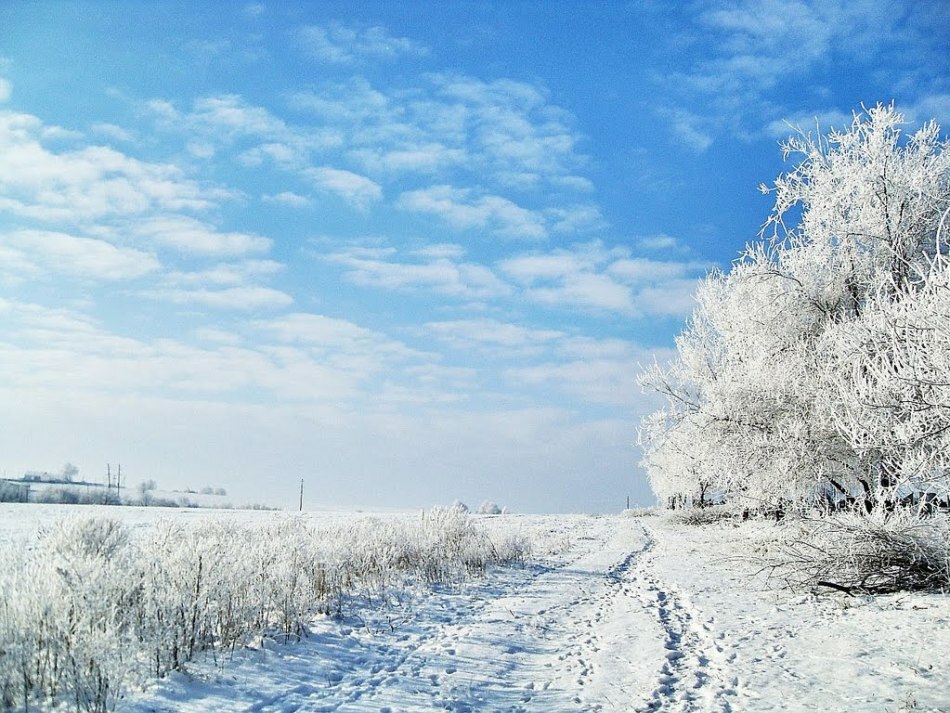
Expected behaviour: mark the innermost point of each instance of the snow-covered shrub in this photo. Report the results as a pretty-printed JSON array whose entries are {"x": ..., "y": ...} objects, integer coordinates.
[
  {"x": 12, "y": 492},
  {"x": 92, "y": 606},
  {"x": 489, "y": 508},
  {"x": 67, "y": 616},
  {"x": 705, "y": 516},
  {"x": 857, "y": 553}
]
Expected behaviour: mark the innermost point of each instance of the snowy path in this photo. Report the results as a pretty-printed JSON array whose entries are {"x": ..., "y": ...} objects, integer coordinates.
[{"x": 591, "y": 631}]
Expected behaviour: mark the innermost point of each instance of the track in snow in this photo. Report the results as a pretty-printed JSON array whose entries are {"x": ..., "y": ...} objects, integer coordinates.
[
  {"x": 693, "y": 676},
  {"x": 595, "y": 632}
]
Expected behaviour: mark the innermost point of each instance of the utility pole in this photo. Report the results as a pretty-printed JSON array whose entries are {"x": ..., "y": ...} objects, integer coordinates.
[
  {"x": 628, "y": 502},
  {"x": 301, "y": 495}
]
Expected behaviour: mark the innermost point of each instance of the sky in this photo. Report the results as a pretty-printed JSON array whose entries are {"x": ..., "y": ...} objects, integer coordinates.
[{"x": 407, "y": 252}]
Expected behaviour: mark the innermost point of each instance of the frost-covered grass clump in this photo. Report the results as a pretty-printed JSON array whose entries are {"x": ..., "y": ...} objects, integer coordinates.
[{"x": 91, "y": 606}]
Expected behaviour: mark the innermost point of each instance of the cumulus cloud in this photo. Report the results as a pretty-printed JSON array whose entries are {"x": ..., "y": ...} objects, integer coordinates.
[
  {"x": 6, "y": 89},
  {"x": 89, "y": 183}
]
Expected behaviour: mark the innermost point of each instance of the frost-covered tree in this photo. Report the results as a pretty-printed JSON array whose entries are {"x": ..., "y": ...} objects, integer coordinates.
[
  {"x": 70, "y": 472},
  {"x": 815, "y": 367}
]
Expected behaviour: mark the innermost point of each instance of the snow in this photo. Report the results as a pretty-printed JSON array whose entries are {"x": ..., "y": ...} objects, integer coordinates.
[
  {"x": 759, "y": 649},
  {"x": 612, "y": 613},
  {"x": 18, "y": 519}
]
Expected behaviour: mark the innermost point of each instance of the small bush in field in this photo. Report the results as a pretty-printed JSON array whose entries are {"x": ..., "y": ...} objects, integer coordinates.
[
  {"x": 873, "y": 554},
  {"x": 704, "y": 516}
]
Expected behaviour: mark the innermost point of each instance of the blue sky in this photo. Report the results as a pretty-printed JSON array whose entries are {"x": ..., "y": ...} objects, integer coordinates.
[{"x": 409, "y": 252}]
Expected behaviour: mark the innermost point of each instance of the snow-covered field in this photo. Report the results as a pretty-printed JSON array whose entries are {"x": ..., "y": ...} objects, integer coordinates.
[{"x": 610, "y": 613}]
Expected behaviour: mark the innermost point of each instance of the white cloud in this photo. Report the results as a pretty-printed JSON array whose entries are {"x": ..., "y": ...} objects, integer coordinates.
[
  {"x": 462, "y": 208},
  {"x": 756, "y": 41},
  {"x": 234, "y": 273},
  {"x": 813, "y": 122},
  {"x": 288, "y": 198},
  {"x": 339, "y": 44},
  {"x": 308, "y": 328},
  {"x": 640, "y": 270},
  {"x": 89, "y": 183},
  {"x": 749, "y": 51},
  {"x": 674, "y": 297},
  {"x": 442, "y": 272},
  {"x": 228, "y": 120},
  {"x": 493, "y": 336},
  {"x": 357, "y": 190},
  {"x": 111, "y": 131},
  {"x": 191, "y": 236},
  {"x": 448, "y": 251},
  {"x": 232, "y": 115},
  {"x": 585, "y": 291},
  {"x": 588, "y": 277},
  {"x": 281, "y": 154},
  {"x": 611, "y": 382},
  {"x": 200, "y": 149},
  {"x": 593, "y": 277},
  {"x": 422, "y": 158},
  {"x": 575, "y": 218},
  {"x": 927, "y": 107},
  {"x": 233, "y": 298},
  {"x": 504, "y": 130},
  {"x": 6, "y": 89},
  {"x": 338, "y": 341},
  {"x": 690, "y": 129},
  {"x": 67, "y": 353},
  {"x": 217, "y": 336},
  {"x": 662, "y": 242},
  {"x": 549, "y": 266},
  {"x": 50, "y": 252}
]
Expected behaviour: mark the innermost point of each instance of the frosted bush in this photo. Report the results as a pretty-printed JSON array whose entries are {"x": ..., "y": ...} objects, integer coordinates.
[
  {"x": 865, "y": 554},
  {"x": 92, "y": 607}
]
